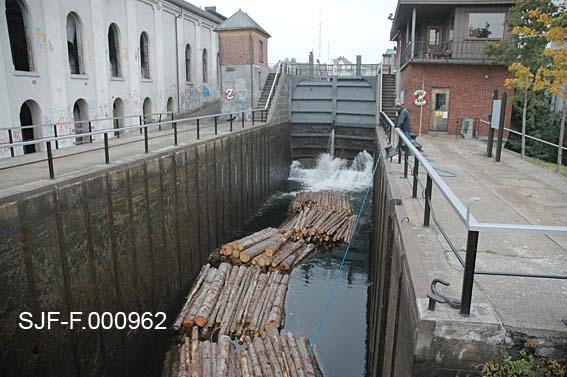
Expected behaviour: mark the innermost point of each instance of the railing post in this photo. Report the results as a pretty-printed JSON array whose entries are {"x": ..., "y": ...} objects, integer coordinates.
[
  {"x": 50, "y": 161},
  {"x": 90, "y": 134},
  {"x": 141, "y": 124},
  {"x": 198, "y": 130},
  {"x": 216, "y": 124},
  {"x": 55, "y": 134},
  {"x": 11, "y": 139},
  {"x": 253, "y": 116},
  {"x": 468, "y": 275},
  {"x": 415, "y": 174},
  {"x": 427, "y": 211},
  {"x": 146, "y": 138},
  {"x": 242, "y": 119},
  {"x": 501, "y": 128},
  {"x": 159, "y": 126},
  {"x": 106, "y": 154},
  {"x": 491, "y": 131},
  {"x": 174, "y": 133},
  {"x": 406, "y": 162}
]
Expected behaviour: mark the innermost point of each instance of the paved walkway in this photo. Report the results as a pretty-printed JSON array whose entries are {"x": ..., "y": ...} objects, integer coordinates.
[
  {"x": 28, "y": 172},
  {"x": 512, "y": 191}
]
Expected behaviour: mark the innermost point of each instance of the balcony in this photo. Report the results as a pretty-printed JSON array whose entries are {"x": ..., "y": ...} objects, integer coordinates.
[{"x": 463, "y": 52}]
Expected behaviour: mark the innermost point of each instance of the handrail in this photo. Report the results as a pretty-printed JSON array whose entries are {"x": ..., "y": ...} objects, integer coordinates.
[
  {"x": 273, "y": 85},
  {"x": 461, "y": 210},
  {"x": 125, "y": 128},
  {"x": 81, "y": 121},
  {"x": 535, "y": 138},
  {"x": 473, "y": 226}
]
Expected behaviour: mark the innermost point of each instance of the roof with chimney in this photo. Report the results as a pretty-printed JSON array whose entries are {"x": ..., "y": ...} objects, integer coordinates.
[{"x": 241, "y": 21}]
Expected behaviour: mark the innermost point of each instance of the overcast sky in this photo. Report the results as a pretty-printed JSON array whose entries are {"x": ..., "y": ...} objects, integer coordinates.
[{"x": 348, "y": 27}]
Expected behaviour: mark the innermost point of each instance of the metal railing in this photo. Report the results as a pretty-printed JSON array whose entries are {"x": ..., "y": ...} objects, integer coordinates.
[
  {"x": 274, "y": 84},
  {"x": 82, "y": 128},
  {"x": 178, "y": 126},
  {"x": 472, "y": 50},
  {"x": 324, "y": 72},
  {"x": 463, "y": 212}
]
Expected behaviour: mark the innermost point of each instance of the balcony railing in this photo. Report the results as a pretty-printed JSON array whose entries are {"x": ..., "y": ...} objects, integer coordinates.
[{"x": 469, "y": 50}]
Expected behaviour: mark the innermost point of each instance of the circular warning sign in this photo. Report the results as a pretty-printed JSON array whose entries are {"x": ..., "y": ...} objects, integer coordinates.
[{"x": 420, "y": 97}]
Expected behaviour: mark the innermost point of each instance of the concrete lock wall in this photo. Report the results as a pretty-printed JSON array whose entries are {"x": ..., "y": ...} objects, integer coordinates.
[
  {"x": 401, "y": 340},
  {"x": 127, "y": 239}
]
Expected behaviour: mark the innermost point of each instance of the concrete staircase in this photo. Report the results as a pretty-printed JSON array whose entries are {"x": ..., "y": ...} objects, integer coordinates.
[
  {"x": 264, "y": 96},
  {"x": 389, "y": 95}
]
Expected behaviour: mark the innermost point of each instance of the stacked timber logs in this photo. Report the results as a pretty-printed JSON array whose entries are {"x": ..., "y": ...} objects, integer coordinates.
[
  {"x": 236, "y": 300},
  {"x": 321, "y": 200},
  {"x": 268, "y": 248},
  {"x": 271, "y": 354},
  {"x": 324, "y": 218}
]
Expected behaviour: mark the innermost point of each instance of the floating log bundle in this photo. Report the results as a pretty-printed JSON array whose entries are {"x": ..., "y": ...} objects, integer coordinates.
[
  {"x": 268, "y": 355},
  {"x": 324, "y": 218},
  {"x": 237, "y": 300},
  {"x": 269, "y": 248},
  {"x": 321, "y": 200}
]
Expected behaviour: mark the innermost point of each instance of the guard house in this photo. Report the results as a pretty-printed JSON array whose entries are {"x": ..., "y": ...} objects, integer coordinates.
[
  {"x": 243, "y": 61},
  {"x": 440, "y": 49}
]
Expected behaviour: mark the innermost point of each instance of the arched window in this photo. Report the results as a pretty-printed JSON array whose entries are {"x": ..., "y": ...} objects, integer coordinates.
[
  {"x": 144, "y": 55},
  {"x": 170, "y": 103},
  {"x": 205, "y": 70},
  {"x": 188, "y": 62},
  {"x": 30, "y": 115},
  {"x": 118, "y": 115},
  {"x": 260, "y": 51},
  {"x": 80, "y": 118},
  {"x": 114, "y": 50},
  {"x": 147, "y": 107},
  {"x": 17, "y": 17},
  {"x": 75, "y": 44}
]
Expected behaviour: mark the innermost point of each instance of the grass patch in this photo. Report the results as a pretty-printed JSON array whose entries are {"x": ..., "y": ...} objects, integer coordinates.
[{"x": 547, "y": 165}]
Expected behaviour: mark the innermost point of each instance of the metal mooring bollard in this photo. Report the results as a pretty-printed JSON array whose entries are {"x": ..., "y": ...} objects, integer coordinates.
[{"x": 437, "y": 297}]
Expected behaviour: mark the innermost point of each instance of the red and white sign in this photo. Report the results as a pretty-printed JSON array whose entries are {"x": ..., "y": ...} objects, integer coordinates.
[{"x": 420, "y": 97}]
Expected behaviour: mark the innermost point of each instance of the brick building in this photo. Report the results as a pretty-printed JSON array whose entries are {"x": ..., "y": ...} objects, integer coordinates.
[
  {"x": 243, "y": 61},
  {"x": 440, "y": 49}
]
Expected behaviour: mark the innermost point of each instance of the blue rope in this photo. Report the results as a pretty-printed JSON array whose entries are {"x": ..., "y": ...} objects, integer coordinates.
[{"x": 337, "y": 277}]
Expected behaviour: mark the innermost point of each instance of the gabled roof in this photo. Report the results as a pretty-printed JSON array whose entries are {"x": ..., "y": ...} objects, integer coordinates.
[{"x": 241, "y": 21}]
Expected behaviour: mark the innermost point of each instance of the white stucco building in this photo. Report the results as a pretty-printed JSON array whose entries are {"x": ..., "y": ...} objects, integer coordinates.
[{"x": 64, "y": 61}]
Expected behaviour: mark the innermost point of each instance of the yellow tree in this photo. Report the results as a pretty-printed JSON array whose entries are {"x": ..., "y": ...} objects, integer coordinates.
[
  {"x": 522, "y": 81},
  {"x": 525, "y": 56},
  {"x": 553, "y": 78}
]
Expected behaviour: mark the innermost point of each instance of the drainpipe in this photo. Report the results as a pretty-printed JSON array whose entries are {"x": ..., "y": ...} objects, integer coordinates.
[
  {"x": 251, "y": 70},
  {"x": 413, "y": 16},
  {"x": 177, "y": 60}
]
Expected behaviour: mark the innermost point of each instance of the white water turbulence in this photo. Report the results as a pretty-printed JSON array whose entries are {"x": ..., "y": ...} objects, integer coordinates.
[{"x": 335, "y": 173}]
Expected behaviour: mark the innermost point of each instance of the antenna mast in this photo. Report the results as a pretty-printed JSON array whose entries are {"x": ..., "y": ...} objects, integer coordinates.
[{"x": 320, "y": 22}]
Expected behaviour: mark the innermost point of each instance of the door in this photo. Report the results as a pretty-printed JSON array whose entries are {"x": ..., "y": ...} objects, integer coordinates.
[{"x": 439, "y": 110}]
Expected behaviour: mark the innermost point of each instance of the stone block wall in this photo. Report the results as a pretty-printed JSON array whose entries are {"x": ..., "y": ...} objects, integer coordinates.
[{"x": 128, "y": 239}]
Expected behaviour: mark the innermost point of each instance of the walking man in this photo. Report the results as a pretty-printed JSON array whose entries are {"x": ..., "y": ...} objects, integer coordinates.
[{"x": 402, "y": 121}]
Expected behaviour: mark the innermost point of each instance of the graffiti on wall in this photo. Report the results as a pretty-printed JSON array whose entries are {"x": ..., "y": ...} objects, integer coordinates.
[{"x": 193, "y": 96}]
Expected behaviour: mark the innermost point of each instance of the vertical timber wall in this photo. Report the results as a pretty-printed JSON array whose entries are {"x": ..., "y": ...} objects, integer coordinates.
[{"x": 127, "y": 239}]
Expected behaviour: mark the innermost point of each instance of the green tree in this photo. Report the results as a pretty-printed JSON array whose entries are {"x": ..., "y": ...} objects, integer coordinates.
[{"x": 526, "y": 55}]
